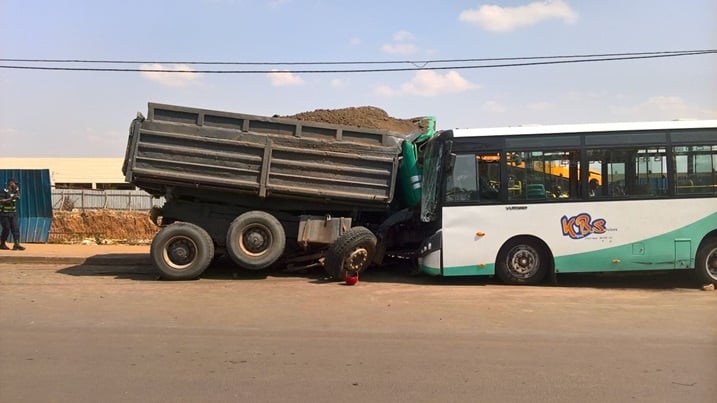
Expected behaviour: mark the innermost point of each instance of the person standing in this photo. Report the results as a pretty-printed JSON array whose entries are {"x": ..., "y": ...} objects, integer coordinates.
[{"x": 8, "y": 215}]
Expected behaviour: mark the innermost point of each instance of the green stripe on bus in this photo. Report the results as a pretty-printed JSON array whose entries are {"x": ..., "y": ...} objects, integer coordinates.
[
  {"x": 673, "y": 250},
  {"x": 472, "y": 270}
]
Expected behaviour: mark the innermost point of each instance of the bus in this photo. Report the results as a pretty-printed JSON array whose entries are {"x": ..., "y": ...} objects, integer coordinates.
[{"x": 523, "y": 203}]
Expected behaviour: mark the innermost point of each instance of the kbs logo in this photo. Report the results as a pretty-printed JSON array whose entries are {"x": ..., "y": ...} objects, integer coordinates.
[{"x": 582, "y": 225}]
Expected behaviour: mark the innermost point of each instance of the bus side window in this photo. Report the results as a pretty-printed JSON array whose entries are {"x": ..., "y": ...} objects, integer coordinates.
[
  {"x": 627, "y": 172},
  {"x": 543, "y": 175},
  {"x": 695, "y": 170}
]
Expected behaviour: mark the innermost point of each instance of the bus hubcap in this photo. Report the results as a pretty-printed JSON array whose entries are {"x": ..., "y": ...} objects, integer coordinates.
[{"x": 524, "y": 262}]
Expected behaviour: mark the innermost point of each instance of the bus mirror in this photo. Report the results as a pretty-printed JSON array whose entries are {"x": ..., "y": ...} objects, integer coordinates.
[{"x": 451, "y": 162}]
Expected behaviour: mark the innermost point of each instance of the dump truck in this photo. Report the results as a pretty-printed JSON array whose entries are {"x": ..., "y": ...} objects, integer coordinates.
[{"x": 270, "y": 191}]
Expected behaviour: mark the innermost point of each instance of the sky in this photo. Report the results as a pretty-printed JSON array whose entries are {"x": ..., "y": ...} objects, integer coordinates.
[{"x": 46, "y": 113}]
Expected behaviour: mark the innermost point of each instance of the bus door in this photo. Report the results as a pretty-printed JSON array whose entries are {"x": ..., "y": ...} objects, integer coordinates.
[{"x": 473, "y": 183}]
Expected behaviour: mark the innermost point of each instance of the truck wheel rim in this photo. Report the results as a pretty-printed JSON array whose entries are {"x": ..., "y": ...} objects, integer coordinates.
[
  {"x": 255, "y": 240},
  {"x": 356, "y": 260},
  {"x": 180, "y": 252}
]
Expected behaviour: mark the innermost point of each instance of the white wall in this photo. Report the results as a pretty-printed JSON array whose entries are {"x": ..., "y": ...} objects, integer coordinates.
[{"x": 72, "y": 170}]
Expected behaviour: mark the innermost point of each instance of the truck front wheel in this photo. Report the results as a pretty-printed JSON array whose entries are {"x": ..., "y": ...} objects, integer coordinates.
[
  {"x": 352, "y": 252},
  {"x": 255, "y": 240},
  {"x": 181, "y": 251}
]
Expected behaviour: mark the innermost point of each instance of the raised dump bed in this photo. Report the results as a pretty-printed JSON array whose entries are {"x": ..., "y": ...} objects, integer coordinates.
[{"x": 188, "y": 152}]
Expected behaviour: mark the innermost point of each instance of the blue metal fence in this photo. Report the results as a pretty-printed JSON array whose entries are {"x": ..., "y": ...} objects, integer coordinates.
[{"x": 35, "y": 204}]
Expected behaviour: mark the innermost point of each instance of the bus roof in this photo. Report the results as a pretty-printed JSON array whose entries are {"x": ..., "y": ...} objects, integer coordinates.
[{"x": 585, "y": 128}]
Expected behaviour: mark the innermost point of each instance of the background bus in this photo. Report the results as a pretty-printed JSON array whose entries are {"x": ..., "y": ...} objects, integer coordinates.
[{"x": 523, "y": 202}]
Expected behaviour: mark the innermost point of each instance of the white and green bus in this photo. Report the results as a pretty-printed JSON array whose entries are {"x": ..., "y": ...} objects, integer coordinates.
[{"x": 526, "y": 202}]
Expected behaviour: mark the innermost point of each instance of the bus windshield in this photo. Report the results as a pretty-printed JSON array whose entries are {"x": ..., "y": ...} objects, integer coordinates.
[{"x": 433, "y": 168}]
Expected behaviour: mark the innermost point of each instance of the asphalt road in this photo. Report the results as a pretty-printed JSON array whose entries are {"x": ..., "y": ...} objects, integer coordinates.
[{"x": 115, "y": 334}]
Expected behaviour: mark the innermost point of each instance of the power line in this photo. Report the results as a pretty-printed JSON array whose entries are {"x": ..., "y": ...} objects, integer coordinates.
[
  {"x": 283, "y": 63},
  {"x": 417, "y": 65}
]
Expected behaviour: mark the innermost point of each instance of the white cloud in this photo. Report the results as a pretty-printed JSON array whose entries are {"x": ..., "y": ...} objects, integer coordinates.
[
  {"x": 402, "y": 44},
  {"x": 428, "y": 83},
  {"x": 663, "y": 108},
  {"x": 402, "y": 36},
  {"x": 284, "y": 78},
  {"x": 399, "y": 48},
  {"x": 168, "y": 77},
  {"x": 355, "y": 41},
  {"x": 505, "y": 19}
]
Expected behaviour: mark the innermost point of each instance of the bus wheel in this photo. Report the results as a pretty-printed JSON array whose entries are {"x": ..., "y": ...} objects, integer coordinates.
[
  {"x": 255, "y": 240},
  {"x": 352, "y": 252},
  {"x": 706, "y": 262},
  {"x": 181, "y": 251},
  {"x": 522, "y": 261}
]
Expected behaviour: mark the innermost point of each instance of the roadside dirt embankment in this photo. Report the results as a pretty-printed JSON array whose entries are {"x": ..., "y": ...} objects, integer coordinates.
[{"x": 102, "y": 227}]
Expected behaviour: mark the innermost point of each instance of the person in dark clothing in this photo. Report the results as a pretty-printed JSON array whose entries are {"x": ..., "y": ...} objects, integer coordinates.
[{"x": 8, "y": 215}]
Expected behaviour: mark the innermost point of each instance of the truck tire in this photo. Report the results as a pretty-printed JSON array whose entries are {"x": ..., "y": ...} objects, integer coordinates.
[
  {"x": 522, "y": 261},
  {"x": 181, "y": 251},
  {"x": 706, "y": 262},
  {"x": 352, "y": 252},
  {"x": 255, "y": 240}
]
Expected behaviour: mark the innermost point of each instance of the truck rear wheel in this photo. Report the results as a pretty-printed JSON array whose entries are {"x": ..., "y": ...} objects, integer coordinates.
[
  {"x": 352, "y": 252},
  {"x": 255, "y": 240},
  {"x": 181, "y": 251}
]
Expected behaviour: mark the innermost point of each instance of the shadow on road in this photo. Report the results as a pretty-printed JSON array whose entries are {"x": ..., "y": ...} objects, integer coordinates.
[
  {"x": 396, "y": 273},
  {"x": 112, "y": 265}
]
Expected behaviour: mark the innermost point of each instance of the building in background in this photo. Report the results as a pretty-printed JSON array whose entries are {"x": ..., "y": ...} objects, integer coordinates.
[
  {"x": 76, "y": 173},
  {"x": 85, "y": 183}
]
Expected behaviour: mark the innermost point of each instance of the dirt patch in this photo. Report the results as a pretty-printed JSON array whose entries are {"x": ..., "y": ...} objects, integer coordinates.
[
  {"x": 368, "y": 117},
  {"x": 102, "y": 227}
]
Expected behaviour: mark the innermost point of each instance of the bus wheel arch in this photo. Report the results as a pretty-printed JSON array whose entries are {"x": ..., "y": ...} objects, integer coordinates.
[
  {"x": 524, "y": 260},
  {"x": 706, "y": 259}
]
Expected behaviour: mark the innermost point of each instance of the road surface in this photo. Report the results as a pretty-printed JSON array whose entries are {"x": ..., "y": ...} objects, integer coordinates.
[{"x": 116, "y": 334}]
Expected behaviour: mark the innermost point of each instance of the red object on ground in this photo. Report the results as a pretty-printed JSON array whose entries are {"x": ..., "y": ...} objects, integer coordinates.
[{"x": 351, "y": 278}]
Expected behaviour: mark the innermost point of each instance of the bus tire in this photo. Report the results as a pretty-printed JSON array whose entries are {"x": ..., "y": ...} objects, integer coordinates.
[
  {"x": 522, "y": 261},
  {"x": 255, "y": 240},
  {"x": 706, "y": 262},
  {"x": 352, "y": 252},
  {"x": 181, "y": 251}
]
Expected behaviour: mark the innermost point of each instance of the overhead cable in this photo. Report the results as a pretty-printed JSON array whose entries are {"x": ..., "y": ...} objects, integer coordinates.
[{"x": 453, "y": 64}]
